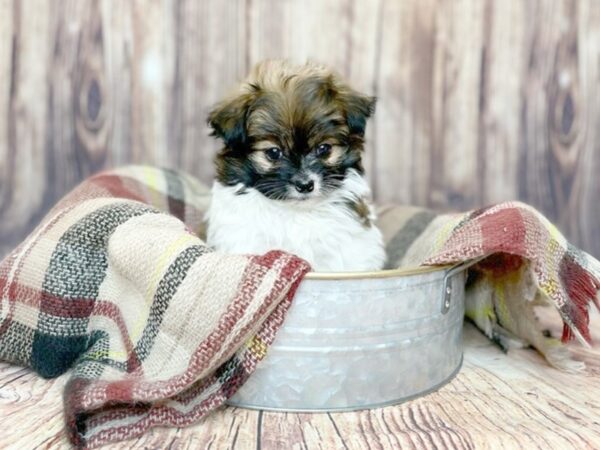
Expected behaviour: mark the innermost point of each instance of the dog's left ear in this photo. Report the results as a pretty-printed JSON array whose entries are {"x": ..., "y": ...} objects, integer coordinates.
[
  {"x": 228, "y": 120},
  {"x": 359, "y": 108}
]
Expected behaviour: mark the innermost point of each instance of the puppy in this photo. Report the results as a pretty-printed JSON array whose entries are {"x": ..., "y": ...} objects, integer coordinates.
[{"x": 289, "y": 175}]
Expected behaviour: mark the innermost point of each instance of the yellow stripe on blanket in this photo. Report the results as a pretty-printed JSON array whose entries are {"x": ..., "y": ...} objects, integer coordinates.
[
  {"x": 502, "y": 311},
  {"x": 550, "y": 286},
  {"x": 257, "y": 347},
  {"x": 151, "y": 180},
  {"x": 445, "y": 232}
]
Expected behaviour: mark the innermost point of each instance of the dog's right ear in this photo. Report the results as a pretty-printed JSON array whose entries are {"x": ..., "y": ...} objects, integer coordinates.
[{"x": 228, "y": 120}]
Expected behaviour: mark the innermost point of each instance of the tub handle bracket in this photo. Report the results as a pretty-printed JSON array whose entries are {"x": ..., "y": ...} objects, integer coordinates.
[{"x": 448, "y": 277}]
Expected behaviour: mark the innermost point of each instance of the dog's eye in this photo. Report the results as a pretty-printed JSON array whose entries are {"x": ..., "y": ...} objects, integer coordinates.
[
  {"x": 274, "y": 153},
  {"x": 323, "y": 150}
]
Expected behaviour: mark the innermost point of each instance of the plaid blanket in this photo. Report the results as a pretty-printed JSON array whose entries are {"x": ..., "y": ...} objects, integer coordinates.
[
  {"x": 116, "y": 285},
  {"x": 157, "y": 329},
  {"x": 517, "y": 260}
]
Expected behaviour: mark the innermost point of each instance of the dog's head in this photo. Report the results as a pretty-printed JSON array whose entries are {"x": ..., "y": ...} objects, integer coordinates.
[{"x": 290, "y": 132}]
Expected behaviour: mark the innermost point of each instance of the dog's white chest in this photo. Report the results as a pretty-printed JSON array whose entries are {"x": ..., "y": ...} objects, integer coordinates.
[{"x": 324, "y": 233}]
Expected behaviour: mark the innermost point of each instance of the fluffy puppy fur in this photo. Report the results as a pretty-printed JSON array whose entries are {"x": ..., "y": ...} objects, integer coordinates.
[{"x": 289, "y": 175}]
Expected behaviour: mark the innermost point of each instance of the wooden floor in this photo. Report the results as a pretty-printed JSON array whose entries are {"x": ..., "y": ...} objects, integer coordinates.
[{"x": 496, "y": 401}]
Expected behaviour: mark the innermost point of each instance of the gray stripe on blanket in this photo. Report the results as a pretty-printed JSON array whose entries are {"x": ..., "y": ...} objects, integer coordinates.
[
  {"x": 175, "y": 194},
  {"x": 406, "y": 236},
  {"x": 15, "y": 342},
  {"x": 167, "y": 288}
]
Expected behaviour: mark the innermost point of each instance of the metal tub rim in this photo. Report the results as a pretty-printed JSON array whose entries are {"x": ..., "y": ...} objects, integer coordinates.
[{"x": 385, "y": 273}]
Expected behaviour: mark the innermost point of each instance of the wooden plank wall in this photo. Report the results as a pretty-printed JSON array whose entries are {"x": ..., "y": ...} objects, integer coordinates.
[{"x": 479, "y": 101}]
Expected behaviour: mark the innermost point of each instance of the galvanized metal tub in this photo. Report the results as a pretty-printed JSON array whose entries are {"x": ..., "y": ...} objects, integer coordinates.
[{"x": 354, "y": 341}]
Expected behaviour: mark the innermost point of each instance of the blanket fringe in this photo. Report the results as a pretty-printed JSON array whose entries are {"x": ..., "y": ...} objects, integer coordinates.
[{"x": 582, "y": 288}]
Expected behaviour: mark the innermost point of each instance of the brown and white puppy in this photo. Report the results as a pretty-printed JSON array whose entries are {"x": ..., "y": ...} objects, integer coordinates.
[{"x": 289, "y": 175}]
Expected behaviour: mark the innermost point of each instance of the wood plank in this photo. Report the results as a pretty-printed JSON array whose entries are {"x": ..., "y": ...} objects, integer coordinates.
[
  {"x": 549, "y": 82},
  {"x": 76, "y": 104},
  {"x": 209, "y": 59},
  {"x": 588, "y": 215},
  {"x": 6, "y": 54},
  {"x": 152, "y": 71},
  {"x": 362, "y": 68},
  {"x": 502, "y": 71},
  {"x": 116, "y": 101},
  {"x": 454, "y": 178},
  {"x": 317, "y": 30},
  {"x": 403, "y": 130},
  {"x": 26, "y": 120}
]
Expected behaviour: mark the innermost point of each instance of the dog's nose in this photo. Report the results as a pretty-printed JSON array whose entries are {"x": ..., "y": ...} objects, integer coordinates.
[{"x": 304, "y": 186}]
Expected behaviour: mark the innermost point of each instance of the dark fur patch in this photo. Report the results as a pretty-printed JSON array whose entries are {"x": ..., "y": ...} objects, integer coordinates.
[
  {"x": 361, "y": 209},
  {"x": 297, "y": 109}
]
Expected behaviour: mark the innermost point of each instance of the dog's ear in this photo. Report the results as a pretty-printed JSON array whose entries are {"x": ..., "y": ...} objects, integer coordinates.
[
  {"x": 228, "y": 120},
  {"x": 358, "y": 108}
]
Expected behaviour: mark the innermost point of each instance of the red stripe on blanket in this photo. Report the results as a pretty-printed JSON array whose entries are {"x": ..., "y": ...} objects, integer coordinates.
[
  {"x": 115, "y": 186},
  {"x": 75, "y": 308},
  {"x": 111, "y": 311},
  {"x": 74, "y": 390},
  {"x": 582, "y": 288},
  {"x": 7, "y": 320},
  {"x": 254, "y": 273},
  {"x": 176, "y": 207},
  {"x": 122, "y": 391},
  {"x": 286, "y": 274},
  {"x": 503, "y": 231},
  {"x": 159, "y": 416}
]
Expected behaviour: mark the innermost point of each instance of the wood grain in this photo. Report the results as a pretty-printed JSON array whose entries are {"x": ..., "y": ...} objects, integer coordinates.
[
  {"x": 509, "y": 401},
  {"x": 479, "y": 101}
]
